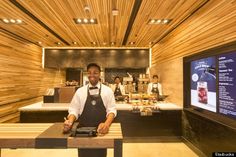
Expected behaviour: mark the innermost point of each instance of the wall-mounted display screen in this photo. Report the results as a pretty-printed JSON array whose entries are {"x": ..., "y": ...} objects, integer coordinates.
[
  {"x": 210, "y": 84},
  {"x": 203, "y": 83},
  {"x": 227, "y": 84}
]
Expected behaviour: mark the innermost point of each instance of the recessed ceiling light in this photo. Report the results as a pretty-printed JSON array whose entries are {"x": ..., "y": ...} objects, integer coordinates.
[
  {"x": 18, "y": 21},
  {"x": 74, "y": 42},
  {"x": 70, "y": 50},
  {"x": 131, "y": 43},
  {"x": 12, "y": 21},
  {"x": 5, "y": 20},
  {"x": 79, "y": 20},
  {"x": 40, "y": 42},
  {"x": 115, "y": 12},
  {"x": 93, "y": 42},
  {"x": 92, "y": 20},
  {"x": 152, "y": 21},
  {"x": 58, "y": 43},
  {"x": 85, "y": 21},
  {"x": 165, "y": 21},
  {"x": 159, "y": 21}
]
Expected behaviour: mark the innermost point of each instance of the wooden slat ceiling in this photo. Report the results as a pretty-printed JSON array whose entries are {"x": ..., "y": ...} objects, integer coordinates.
[{"x": 51, "y": 21}]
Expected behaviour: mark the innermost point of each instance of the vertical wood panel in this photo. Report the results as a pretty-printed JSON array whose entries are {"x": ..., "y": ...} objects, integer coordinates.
[
  {"x": 211, "y": 26},
  {"x": 22, "y": 79}
]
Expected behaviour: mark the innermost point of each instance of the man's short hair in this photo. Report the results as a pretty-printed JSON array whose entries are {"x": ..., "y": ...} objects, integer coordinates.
[
  {"x": 93, "y": 65},
  {"x": 155, "y": 76},
  {"x": 116, "y": 77}
]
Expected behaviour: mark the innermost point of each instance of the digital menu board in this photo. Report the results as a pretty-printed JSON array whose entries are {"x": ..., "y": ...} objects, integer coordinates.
[
  {"x": 203, "y": 83},
  {"x": 227, "y": 84}
]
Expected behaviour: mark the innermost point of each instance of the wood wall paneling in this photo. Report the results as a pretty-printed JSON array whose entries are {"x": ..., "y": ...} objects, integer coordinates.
[
  {"x": 212, "y": 25},
  {"x": 22, "y": 79},
  {"x": 172, "y": 82}
]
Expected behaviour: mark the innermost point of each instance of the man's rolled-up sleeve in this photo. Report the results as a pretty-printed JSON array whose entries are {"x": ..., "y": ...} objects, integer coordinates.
[
  {"x": 111, "y": 104},
  {"x": 74, "y": 106}
]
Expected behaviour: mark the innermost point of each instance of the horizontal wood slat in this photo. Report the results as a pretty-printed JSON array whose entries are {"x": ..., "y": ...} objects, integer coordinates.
[
  {"x": 22, "y": 79},
  {"x": 20, "y": 135},
  {"x": 58, "y": 15}
]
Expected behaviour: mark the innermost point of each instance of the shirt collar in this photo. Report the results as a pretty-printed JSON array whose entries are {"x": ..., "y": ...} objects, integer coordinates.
[{"x": 97, "y": 85}]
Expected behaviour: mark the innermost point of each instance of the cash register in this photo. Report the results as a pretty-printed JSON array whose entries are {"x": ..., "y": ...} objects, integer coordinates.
[{"x": 80, "y": 131}]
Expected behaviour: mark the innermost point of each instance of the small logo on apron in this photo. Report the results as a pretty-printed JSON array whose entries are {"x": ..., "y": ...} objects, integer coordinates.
[{"x": 93, "y": 102}]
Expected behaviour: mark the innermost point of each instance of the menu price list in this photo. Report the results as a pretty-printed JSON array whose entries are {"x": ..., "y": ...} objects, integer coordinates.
[{"x": 227, "y": 84}]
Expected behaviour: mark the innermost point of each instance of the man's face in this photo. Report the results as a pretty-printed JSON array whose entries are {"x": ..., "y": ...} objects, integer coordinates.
[
  {"x": 93, "y": 75},
  {"x": 155, "y": 80},
  {"x": 117, "y": 80}
]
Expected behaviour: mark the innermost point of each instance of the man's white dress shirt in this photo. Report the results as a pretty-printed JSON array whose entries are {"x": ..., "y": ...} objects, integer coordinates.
[{"x": 78, "y": 102}]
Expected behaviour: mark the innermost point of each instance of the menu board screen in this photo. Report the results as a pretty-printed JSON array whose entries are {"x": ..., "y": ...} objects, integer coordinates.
[
  {"x": 203, "y": 83},
  {"x": 227, "y": 84}
]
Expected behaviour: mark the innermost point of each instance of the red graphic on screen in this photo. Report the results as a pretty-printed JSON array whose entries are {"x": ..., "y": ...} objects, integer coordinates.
[{"x": 202, "y": 95}]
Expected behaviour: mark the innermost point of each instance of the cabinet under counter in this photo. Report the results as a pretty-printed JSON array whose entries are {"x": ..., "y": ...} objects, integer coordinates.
[{"x": 163, "y": 125}]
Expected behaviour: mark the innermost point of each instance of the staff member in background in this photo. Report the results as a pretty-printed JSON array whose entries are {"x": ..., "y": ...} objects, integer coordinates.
[
  {"x": 94, "y": 106},
  {"x": 118, "y": 88},
  {"x": 154, "y": 87}
]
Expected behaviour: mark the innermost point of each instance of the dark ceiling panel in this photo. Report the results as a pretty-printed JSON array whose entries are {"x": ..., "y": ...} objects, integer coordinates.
[{"x": 79, "y": 58}]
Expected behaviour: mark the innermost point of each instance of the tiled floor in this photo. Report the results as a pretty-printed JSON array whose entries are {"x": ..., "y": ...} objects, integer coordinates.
[{"x": 177, "y": 149}]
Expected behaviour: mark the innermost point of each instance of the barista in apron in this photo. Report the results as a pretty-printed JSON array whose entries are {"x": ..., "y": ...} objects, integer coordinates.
[
  {"x": 154, "y": 87},
  {"x": 93, "y": 106},
  {"x": 117, "y": 91},
  {"x": 155, "y": 90}
]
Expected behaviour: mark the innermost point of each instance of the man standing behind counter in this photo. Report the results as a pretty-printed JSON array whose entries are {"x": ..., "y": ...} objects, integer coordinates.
[
  {"x": 118, "y": 88},
  {"x": 94, "y": 106},
  {"x": 154, "y": 87}
]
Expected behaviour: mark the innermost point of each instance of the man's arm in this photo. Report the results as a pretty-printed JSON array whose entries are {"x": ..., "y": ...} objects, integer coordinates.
[
  {"x": 73, "y": 112},
  {"x": 69, "y": 123},
  {"x": 110, "y": 104},
  {"x": 71, "y": 118}
]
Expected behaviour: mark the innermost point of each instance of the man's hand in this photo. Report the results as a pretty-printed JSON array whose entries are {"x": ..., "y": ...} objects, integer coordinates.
[
  {"x": 67, "y": 126},
  {"x": 68, "y": 123},
  {"x": 103, "y": 128}
]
